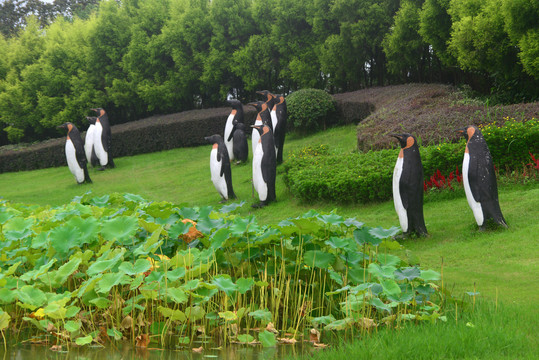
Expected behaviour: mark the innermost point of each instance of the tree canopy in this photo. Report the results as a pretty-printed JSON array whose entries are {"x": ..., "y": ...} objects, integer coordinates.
[{"x": 142, "y": 57}]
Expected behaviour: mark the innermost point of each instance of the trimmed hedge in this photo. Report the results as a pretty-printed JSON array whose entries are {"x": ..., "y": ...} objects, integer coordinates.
[
  {"x": 316, "y": 174},
  {"x": 310, "y": 110},
  {"x": 153, "y": 134}
]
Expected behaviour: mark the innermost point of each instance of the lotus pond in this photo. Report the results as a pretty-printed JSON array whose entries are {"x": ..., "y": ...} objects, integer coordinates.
[{"x": 121, "y": 272}]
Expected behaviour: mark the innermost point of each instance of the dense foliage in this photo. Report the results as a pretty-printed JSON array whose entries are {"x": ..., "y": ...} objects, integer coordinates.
[
  {"x": 317, "y": 174},
  {"x": 142, "y": 57},
  {"x": 310, "y": 110},
  {"x": 101, "y": 268}
]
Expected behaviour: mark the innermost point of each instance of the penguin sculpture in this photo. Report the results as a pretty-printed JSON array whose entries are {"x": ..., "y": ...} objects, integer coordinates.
[
  {"x": 479, "y": 179},
  {"x": 221, "y": 175},
  {"x": 264, "y": 165},
  {"x": 89, "y": 140},
  {"x": 240, "y": 148},
  {"x": 235, "y": 114},
  {"x": 280, "y": 129},
  {"x": 270, "y": 103},
  {"x": 76, "y": 158},
  {"x": 408, "y": 186},
  {"x": 102, "y": 139},
  {"x": 263, "y": 117}
]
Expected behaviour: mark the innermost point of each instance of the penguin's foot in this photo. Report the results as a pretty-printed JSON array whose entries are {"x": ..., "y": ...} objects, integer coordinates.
[
  {"x": 102, "y": 168},
  {"x": 223, "y": 201},
  {"x": 259, "y": 205}
]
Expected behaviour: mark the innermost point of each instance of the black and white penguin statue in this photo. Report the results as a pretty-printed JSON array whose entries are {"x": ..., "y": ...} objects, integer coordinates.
[
  {"x": 408, "y": 186},
  {"x": 235, "y": 114},
  {"x": 479, "y": 179},
  {"x": 264, "y": 165},
  {"x": 89, "y": 141},
  {"x": 281, "y": 114},
  {"x": 221, "y": 175},
  {"x": 263, "y": 117},
  {"x": 240, "y": 148},
  {"x": 76, "y": 158},
  {"x": 103, "y": 139},
  {"x": 270, "y": 103}
]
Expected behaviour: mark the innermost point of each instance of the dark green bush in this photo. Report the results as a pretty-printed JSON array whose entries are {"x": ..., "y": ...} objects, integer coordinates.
[
  {"x": 317, "y": 174},
  {"x": 511, "y": 144},
  {"x": 153, "y": 134},
  {"x": 310, "y": 110}
]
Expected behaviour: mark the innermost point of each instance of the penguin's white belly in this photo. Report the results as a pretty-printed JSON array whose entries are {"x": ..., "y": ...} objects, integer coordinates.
[
  {"x": 98, "y": 145},
  {"x": 228, "y": 130},
  {"x": 72, "y": 162},
  {"x": 474, "y": 205},
  {"x": 399, "y": 207},
  {"x": 274, "y": 122},
  {"x": 218, "y": 181},
  {"x": 255, "y": 136},
  {"x": 89, "y": 142},
  {"x": 274, "y": 119},
  {"x": 258, "y": 181}
]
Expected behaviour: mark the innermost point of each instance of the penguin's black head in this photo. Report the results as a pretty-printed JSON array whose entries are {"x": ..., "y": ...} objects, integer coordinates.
[
  {"x": 99, "y": 111},
  {"x": 257, "y": 105},
  {"x": 214, "y": 139},
  {"x": 405, "y": 140},
  {"x": 91, "y": 119},
  {"x": 468, "y": 131},
  {"x": 236, "y": 104},
  {"x": 66, "y": 126},
  {"x": 266, "y": 94},
  {"x": 259, "y": 128}
]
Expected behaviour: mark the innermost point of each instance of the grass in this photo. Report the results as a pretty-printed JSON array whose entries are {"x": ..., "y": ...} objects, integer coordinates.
[
  {"x": 501, "y": 265},
  {"x": 486, "y": 333}
]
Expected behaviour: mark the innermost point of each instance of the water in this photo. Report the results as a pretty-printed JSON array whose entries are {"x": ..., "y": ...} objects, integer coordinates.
[{"x": 124, "y": 351}]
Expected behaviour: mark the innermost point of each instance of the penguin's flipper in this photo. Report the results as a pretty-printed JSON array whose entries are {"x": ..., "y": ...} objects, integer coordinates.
[
  {"x": 482, "y": 179},
  {"x": 269, "y": 172},
  {"x": 234, "y": 127}
]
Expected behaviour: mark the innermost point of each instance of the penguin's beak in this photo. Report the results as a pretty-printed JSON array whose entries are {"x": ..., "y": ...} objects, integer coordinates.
[
  {"x": 252, "y": 104},
  {"x": 398, "y": 136},
  {"x": 260, "y": 92},
  {"x": 461, "y": 131}
]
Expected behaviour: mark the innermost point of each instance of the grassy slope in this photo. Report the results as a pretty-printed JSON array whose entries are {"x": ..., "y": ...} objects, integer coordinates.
[
  {"x": 503, "y": 263},
  {"x": 489, "y": 259}
]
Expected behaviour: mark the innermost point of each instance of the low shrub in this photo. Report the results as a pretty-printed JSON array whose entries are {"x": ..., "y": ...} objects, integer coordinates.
[
  {"x": 314, "y": 174},
  {"x": 310, "y": 110},
  {"x": 512, "y": 143},
  {"x": 321, "y": 175}
]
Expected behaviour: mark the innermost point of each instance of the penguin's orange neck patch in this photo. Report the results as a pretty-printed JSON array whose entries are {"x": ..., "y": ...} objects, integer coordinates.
[
  {"x": 401, "y": 154},
  {"x": 258, "y": 117},
  {"x": 69, "y": 127},
  {"x": 68, "y": 137},
  {"x": 274, "y": 107},
  {"x": 264, "y": 106},
  {"x": 470, "y": 131},
  {"x": 409, "y": 144},
  {"x": 281, "y": 100},
  {"x": 233, "y": 112},
  {"x": 215, "y": 146},
  {"x": 265, "y": 130}
]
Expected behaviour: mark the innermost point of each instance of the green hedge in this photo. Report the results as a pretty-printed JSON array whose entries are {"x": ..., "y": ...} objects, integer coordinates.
[
  {"x": 310, "y": 110},
  {"x": 153, "y": 134},
  {"x": 317, "y": 174}
]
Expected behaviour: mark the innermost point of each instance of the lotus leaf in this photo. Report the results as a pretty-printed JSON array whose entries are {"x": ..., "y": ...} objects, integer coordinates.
[
  {"x": 318, "y": 258},
  {"x": 225, "y": 284},
  {"x": 122, "y": 229},
  {"x": 267, "y": 339}
]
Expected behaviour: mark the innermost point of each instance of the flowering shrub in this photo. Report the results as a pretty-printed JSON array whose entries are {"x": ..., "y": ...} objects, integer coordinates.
[
  {"x": 511, "y": 144},
  {"x": 439, "y": 181}
]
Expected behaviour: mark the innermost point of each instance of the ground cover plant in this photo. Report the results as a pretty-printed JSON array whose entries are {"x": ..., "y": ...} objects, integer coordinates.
[{"x": 120, "y": 266}]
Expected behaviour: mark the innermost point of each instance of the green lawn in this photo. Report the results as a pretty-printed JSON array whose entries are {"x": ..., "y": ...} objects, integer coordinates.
[{"x": 502, "y": 265}]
